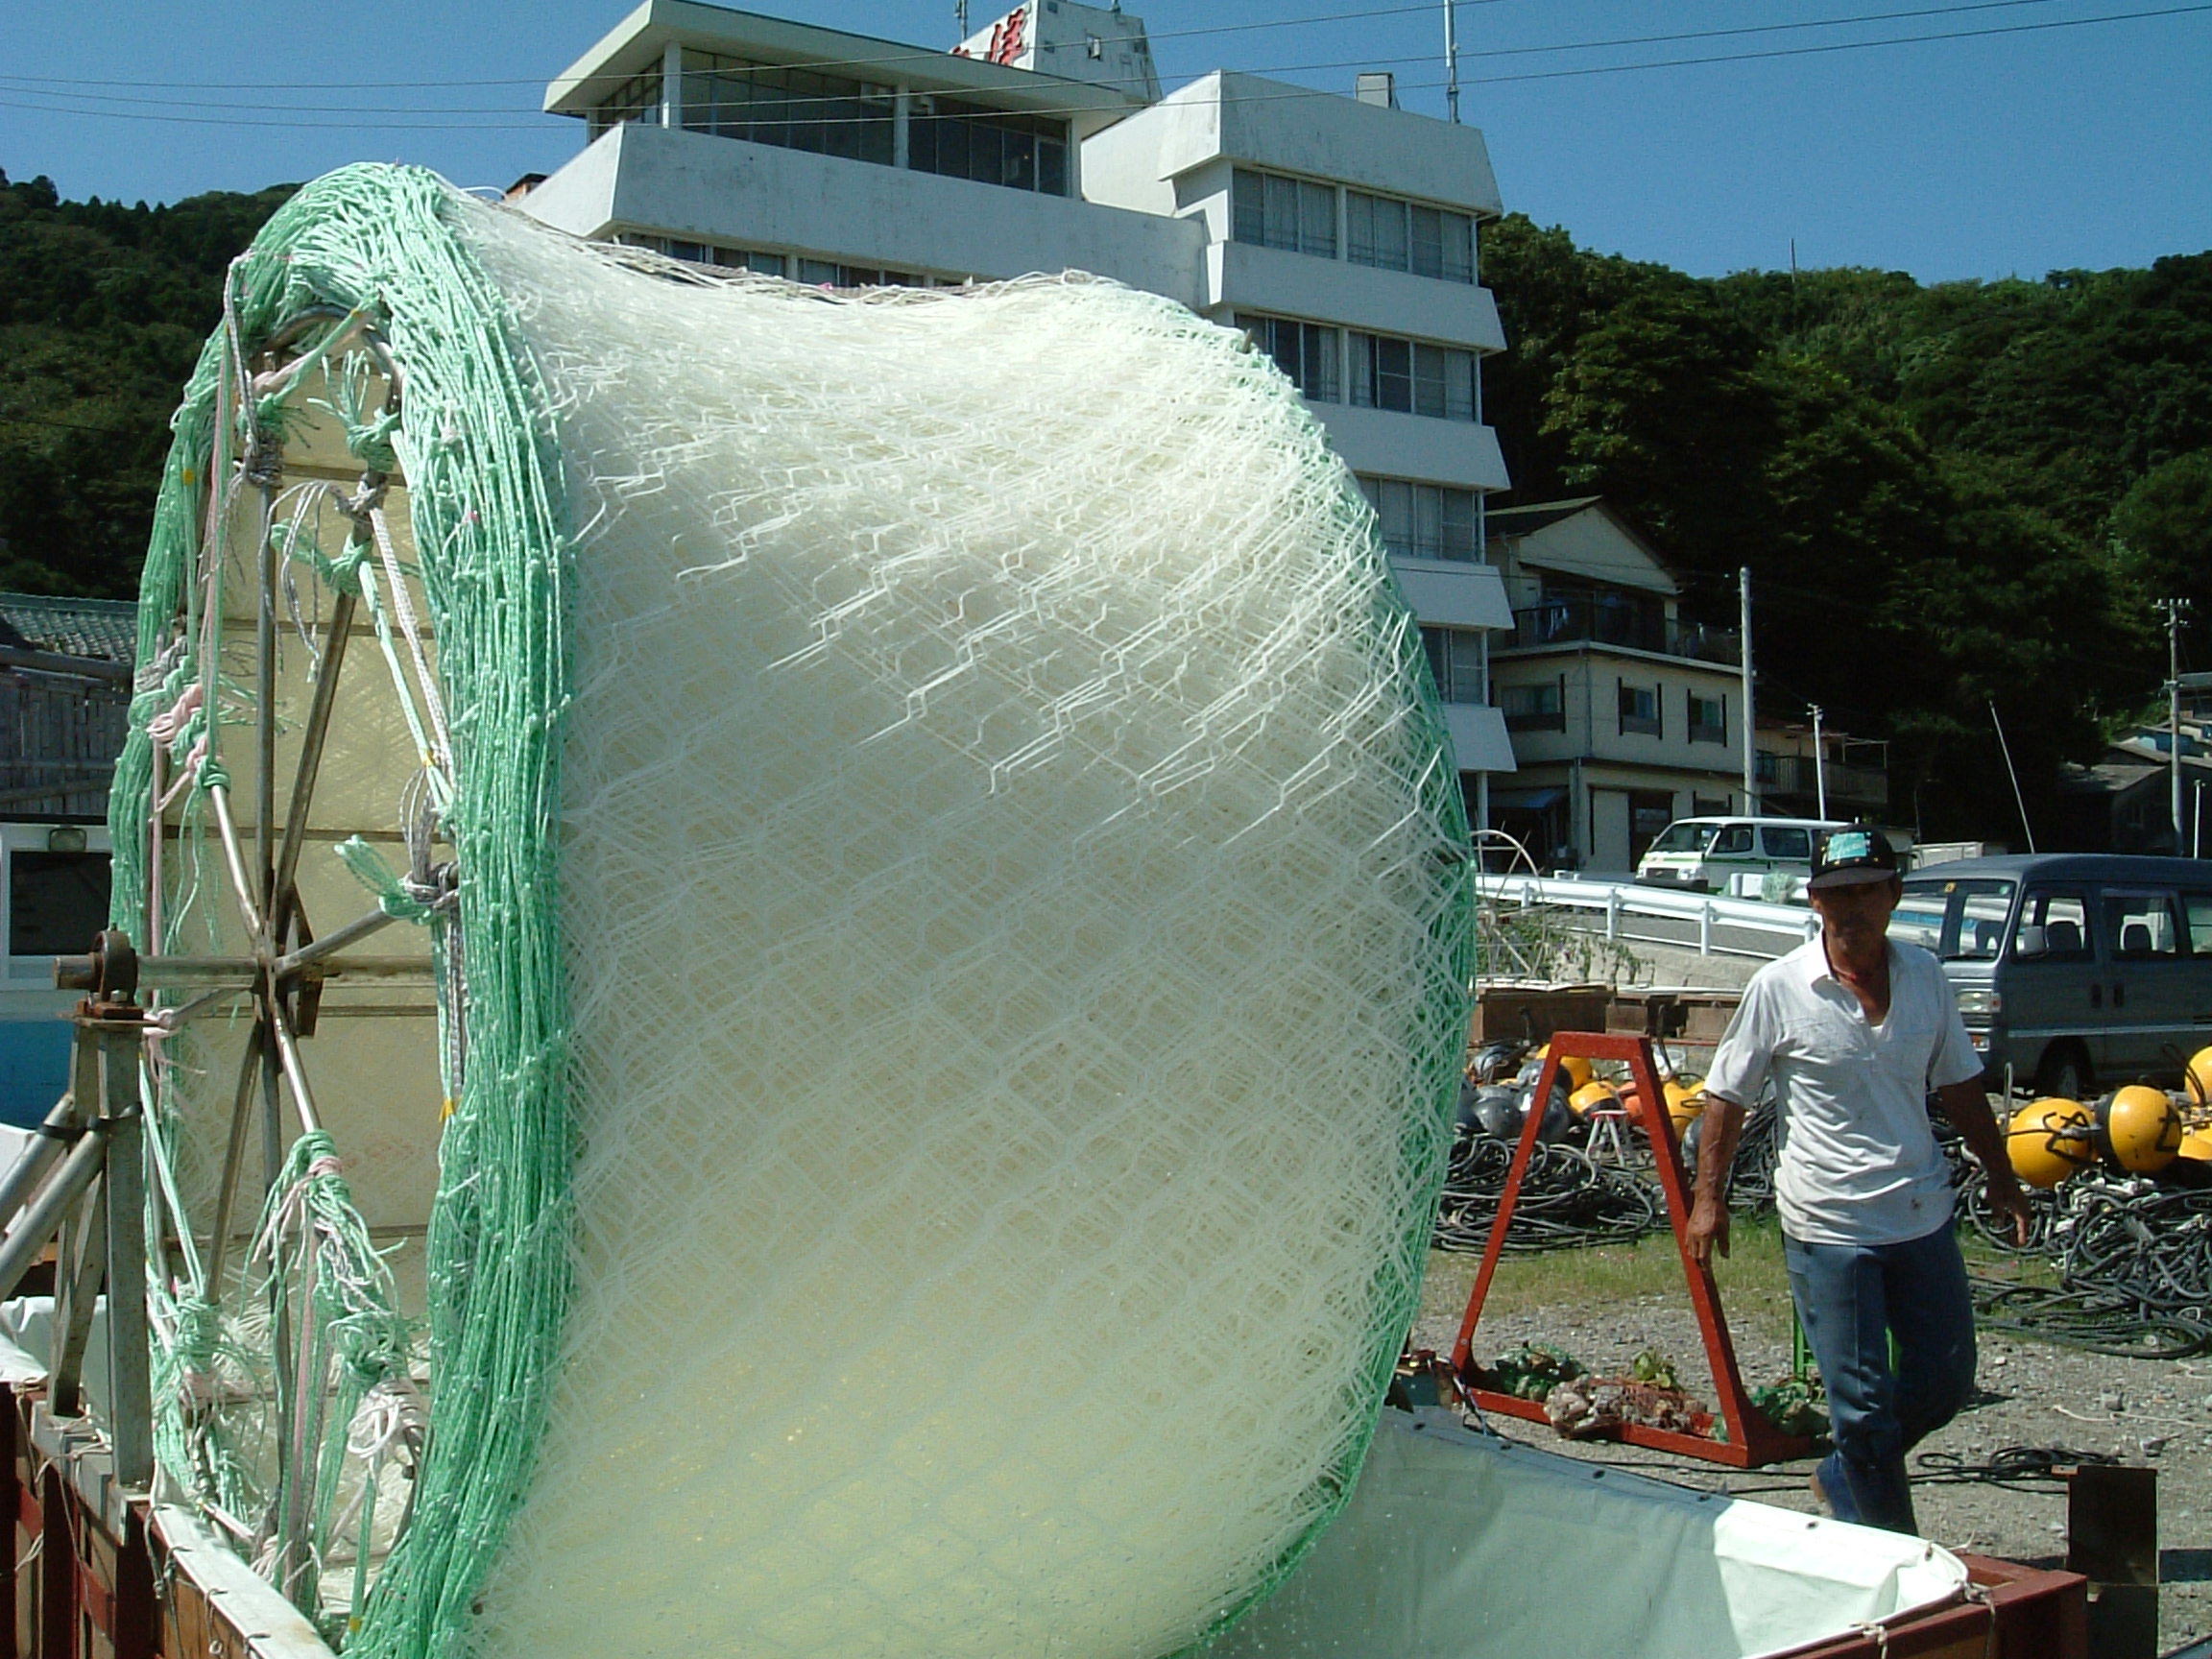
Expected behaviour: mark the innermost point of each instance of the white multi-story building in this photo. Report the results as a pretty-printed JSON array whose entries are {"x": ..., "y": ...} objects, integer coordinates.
[{"x": 1340, "y": 233}]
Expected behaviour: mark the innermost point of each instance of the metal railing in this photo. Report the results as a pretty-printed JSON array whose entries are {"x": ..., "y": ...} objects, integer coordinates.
[
  {"x": 1619, "y": 907},
  {"x": 1578, "y": 620}
]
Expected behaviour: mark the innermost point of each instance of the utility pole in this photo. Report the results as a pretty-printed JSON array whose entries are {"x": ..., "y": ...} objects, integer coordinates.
[
  {"x": 2173, "y": 609},
  {"x": 1819, "y": 764},
  {"x": 1751, "y": 779},
  {"x": 1452, "y": 59}
]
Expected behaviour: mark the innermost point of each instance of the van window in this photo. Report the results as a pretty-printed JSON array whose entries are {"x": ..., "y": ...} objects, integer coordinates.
[
  {"x": 1788, "y": 843},
  {"x": 2140, "y": 925},
  {"x": 1682, "y": 837},
  {"x": 1734, "y": 838},
  {"x": 2199, "y": 906},
  {"x": 2064, "y": 917},
  {"x": 1960, "y": 921}
]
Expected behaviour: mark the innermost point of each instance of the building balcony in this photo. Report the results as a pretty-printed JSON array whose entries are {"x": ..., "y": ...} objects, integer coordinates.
[
  {"x": 1849, "y": 783},
  {"x": 1600, "y": 620}
]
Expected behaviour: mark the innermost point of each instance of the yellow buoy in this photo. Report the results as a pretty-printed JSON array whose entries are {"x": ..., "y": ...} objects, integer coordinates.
[
  {"x": 2196, "y": 1077},
  {"x": 2142, "y": 1128},
  {"x": 1592, "y": 1097},
  {"x": 2049, "y": 1140},
  {"x": 1571, "y": 1067},
  {"x": 1685, "y": 1103}
]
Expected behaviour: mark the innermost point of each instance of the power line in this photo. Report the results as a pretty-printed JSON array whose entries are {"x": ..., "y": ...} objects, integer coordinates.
[
  {"x": 1851, "y": 45},
  {"x": 29, "y": 86},
  {"x": 1424, "y": 8}
]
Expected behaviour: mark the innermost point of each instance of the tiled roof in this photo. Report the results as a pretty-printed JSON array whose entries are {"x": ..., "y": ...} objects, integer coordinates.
[{"x": 104, "y": 628}]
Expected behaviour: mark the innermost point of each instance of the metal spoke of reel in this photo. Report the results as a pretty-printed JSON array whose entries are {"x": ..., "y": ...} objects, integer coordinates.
[{"x": 286, "y": 966}]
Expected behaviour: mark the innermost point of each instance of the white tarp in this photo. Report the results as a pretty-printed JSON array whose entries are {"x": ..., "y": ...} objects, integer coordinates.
[{"x": 1460, "y": 1546}]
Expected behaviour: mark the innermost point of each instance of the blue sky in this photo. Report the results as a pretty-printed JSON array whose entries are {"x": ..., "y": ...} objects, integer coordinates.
[{"x": 2000, "y": 154}]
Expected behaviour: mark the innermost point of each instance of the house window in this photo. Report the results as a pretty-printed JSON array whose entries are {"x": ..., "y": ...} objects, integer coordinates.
[
  {"x": 1411, "y": 377},
  {"x": 1397, "y": 236},
  {"x": 790, "y": 109},
  {"x": 1270, "y": 211},
  {"x": 1424, "y": 521},
  {"x": 1708, "y": 806},
  {"x": 637, "y": 99},
  {"x": 1535, "y": 707},
  {"x": 1640, "y": 708},
  {"x": 1305, "y": 352},
  {"x": 1708, "y": 719},
  {"x": 963, "y": 140},
  {"x": 1455, "y": 659}
]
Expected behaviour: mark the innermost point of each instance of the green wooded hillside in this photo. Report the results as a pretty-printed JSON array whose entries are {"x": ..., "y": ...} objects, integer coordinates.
[
  {"x": 1946, "y": 494},
  {"x": 103, "y": 311}
]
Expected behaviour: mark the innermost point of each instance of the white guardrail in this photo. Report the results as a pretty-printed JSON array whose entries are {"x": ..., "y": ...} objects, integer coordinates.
[{"x": 1621, "y": 906}]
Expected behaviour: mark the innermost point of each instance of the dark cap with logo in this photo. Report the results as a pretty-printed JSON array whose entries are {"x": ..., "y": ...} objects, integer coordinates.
[{"x": 1848, "y": 857}]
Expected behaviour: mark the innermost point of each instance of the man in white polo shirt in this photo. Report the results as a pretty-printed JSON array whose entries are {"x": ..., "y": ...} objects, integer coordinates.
[{"x": 1855, "y": 1031}]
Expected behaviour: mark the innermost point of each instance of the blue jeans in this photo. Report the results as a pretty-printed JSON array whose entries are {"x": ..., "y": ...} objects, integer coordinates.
[{"x": 1851, "y": 1299}]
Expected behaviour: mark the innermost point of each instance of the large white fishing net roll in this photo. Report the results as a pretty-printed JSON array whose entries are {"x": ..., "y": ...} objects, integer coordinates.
[{"x": 1004, "y": 850}]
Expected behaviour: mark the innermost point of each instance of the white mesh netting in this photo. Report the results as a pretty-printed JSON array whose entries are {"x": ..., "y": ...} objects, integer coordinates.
[{"x": 1008, "y": 891}]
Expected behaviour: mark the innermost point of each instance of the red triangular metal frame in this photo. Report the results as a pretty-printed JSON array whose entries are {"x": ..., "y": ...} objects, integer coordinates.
[{"x": 1752, "y": 1440}]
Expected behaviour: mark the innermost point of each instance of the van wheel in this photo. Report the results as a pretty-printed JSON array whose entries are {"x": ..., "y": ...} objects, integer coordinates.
[{"x": 2065, "y": 1074}]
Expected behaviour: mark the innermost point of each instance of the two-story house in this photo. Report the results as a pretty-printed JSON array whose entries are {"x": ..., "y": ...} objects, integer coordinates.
[
  {"x": 1622, "y": 716},
  {"x": 1339, "y": 233}
]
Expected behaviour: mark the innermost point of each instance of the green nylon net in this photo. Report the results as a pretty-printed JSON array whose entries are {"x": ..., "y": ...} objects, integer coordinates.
[{"x": 931, "y": 945}]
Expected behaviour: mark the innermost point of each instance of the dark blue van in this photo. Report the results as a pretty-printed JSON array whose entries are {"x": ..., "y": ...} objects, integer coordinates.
[{"x": 2075, "y": 970}]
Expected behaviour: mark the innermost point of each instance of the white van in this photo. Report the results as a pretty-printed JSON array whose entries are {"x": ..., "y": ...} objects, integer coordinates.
[{"x": 1717, "y": 854}]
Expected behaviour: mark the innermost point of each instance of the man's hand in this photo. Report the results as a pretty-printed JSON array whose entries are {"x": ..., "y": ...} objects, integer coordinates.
[
  {"x": 2007, "y": 1199},
  {"x": 1716, "y": 1153},
  {"x": 1968, "y": 1110},
  {"x": 1708, "y": 1229}
]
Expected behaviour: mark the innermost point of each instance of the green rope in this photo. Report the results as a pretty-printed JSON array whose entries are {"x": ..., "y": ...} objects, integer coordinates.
[{"x": 484, "y": 494}]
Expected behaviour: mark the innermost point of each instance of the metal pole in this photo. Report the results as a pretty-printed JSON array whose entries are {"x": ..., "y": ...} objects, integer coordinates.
[
  {"x": 1819, "y": 765},
  {"x": 129, "y": 1390},
  {"x": 2174, "y": 608},
  {"x": 2027, "y": 828},
  {"x": 1750, "y": 721},
  {"x": 1452, "y": 60}
]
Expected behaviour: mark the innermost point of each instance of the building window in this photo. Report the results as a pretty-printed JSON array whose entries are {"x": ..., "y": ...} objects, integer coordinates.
[
  {"x": 1411, "y": 377},
  {"x": 637, "y": 99},
  {"x": 1272, "y": 211},
  {"x": 1708, "y": 719},
  {"x": 1708, "y": 806},
  {"x": 1305, "y": 352},
  {"x": 1394, "y": 235},
  {"x": 1639, "y": 710},
  {"x": 1535, "y": 707},
  {"x": 1424, "y": 521},
  {"x": 828, "y": 274},
  {"x": 1455, "y": 659},
  {"x": 791, "y": 109},
  {"x": 961, "y": 140}
]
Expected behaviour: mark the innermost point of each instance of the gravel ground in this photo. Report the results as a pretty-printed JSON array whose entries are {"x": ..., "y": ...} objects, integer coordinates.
[{"x": 2153, "y": 1412}]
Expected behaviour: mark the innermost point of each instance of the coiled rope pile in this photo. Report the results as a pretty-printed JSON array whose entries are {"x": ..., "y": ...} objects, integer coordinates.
[{"x": 2134, "y": 1263}]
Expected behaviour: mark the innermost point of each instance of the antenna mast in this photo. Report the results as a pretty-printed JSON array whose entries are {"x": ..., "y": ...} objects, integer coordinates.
[{"x": 1452, "y": 59}]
